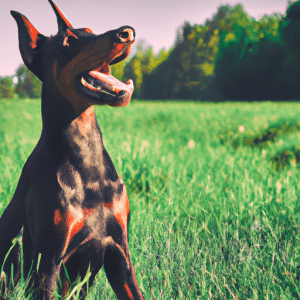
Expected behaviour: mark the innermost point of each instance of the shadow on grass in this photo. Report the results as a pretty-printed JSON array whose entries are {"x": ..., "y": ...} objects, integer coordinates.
[
  {"x": 284, "y": 158},
  {"x": 287, "y": 158},
  {"x": 270, "y": 135}
]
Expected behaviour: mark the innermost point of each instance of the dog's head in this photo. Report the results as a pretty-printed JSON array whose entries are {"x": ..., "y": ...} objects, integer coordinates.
[{"x": 75, "y": 63}]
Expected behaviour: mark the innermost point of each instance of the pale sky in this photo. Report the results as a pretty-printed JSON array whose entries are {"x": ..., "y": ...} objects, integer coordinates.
[{"x": 155, "y": 21}]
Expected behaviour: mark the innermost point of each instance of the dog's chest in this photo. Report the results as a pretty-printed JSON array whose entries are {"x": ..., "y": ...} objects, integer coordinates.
[
  {"x": 88, "y": 187},
  {"x": 86, "y": 175}
]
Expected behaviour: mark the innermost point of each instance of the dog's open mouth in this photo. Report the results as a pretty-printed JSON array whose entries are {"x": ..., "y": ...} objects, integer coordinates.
[{"x": 106, "y": 88}]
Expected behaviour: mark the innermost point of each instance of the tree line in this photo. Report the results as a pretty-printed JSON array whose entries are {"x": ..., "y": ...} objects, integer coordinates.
[
  {"x": 232, "y": 56},
  {"x": 23, "y": 85}
]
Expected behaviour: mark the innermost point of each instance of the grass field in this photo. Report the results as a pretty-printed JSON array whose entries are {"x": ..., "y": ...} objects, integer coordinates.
[{"x": 213, "y": 188}]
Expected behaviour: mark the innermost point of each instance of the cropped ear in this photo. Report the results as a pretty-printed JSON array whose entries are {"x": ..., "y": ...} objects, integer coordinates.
[
  {"x": 62, "y": 21},
  {"x": 31, "y": 42}
]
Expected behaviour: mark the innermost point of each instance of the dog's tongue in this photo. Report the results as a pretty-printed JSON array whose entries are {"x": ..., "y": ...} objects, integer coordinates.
[{"x": 116, "y": 85}]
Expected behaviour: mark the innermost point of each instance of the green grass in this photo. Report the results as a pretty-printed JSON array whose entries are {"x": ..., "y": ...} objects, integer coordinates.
[{"x": 213, "y": 216}]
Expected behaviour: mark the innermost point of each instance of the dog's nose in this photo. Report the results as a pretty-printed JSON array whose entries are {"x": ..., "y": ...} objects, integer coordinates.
[{"x": 126, "y": 34}]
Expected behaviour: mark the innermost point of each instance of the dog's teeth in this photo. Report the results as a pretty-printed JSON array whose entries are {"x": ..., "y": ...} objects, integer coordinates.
[
  {"x": 83, "y": 81},
  {"x": 108, "y": 93}
]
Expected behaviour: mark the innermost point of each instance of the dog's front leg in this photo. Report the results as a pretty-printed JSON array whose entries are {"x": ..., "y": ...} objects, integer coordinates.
[
  {"x": 119, "y": 271},
  {"x": 11, "y": 223},
  {"x": 45, "y": 276}
]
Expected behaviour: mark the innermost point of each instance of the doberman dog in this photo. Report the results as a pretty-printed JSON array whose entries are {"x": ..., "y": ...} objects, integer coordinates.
[{"x": 70, "y": 201}]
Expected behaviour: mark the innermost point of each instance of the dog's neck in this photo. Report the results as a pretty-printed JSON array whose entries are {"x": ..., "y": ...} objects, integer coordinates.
[
  {"x": 58, "y": 113},
  {"x": 76, "y": 136}
]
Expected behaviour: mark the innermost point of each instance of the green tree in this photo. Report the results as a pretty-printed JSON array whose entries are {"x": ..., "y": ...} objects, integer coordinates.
[
  {"x": 117, "y": 70},
  {"x": 290, "y": 28},
  {"x": 249, "y": 65},
  {"x": 133, "y": 70},
  {"x": 29, "y": 86},
  {"x": 290, "y": 33},
  {"x": 7, "y": 89},
  {"x": 189, "y": 67},
  {"x": 142, "y": 64}
]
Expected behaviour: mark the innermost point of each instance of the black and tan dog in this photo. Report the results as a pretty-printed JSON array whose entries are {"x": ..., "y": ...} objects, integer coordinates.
[{"x": 70, "y": 201}]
